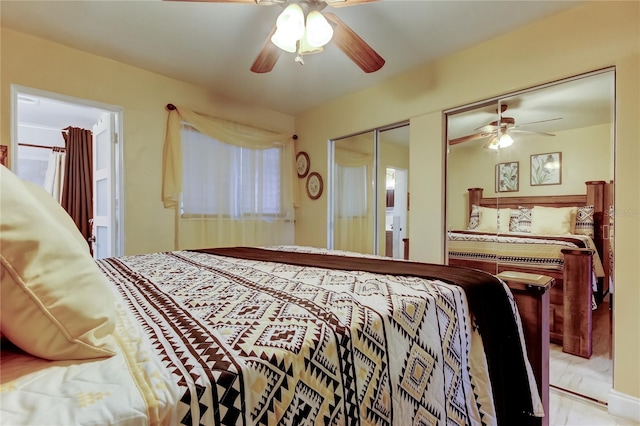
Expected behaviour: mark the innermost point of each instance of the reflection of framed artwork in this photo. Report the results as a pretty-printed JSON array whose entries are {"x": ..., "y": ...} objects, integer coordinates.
[
  {"x": 3, "y": 155},
  {"x": 546, "y": 169},
  {"x": 508, "y": 176}
]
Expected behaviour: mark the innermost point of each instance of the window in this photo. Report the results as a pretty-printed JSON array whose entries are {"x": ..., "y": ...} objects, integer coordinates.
[
  {"x": 351, "y": 200},
  {"x": 227, "y": 180}
]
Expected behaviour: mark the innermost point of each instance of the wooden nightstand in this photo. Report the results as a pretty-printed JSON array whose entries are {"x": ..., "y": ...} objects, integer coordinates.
[{"x": 531, "y": 293}]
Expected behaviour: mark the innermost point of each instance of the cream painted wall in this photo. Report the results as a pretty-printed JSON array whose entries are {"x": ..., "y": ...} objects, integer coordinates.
[
  {"x": 585, "y": 152},
  {"x": 588, "y": 37},
  {"x": 426, "y": 177},
  {"x": 40, "y": 64}
]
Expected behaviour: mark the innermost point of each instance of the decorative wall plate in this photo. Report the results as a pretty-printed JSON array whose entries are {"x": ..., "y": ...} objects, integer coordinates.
[
  {"x": 302, "y": 164},
  {"x": 314, "y": 185}
]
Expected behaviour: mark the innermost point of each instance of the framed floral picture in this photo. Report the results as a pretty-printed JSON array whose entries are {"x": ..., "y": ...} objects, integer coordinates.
[
  {"x": 546, "y": 169},
  {"x": 508, "y": 176}
]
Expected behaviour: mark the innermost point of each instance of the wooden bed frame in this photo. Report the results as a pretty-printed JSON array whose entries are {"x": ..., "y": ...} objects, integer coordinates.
[{"x": 570, "y": 324}]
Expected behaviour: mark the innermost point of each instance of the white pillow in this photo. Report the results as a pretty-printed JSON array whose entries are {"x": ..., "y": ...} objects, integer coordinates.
[
  {"x": 553, "y": 220},
  {"x": 489, "y": 220},
  {"x": 55, "y": 302}
]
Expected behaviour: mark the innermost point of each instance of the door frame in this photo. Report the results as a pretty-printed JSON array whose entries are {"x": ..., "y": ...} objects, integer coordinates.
[{"x": 118, "y": 111}]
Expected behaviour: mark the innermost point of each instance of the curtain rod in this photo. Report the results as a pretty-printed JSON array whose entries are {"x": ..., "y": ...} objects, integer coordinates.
[
  {"x": 172, "y": 107},
  {"x": 40, "y": 146}
]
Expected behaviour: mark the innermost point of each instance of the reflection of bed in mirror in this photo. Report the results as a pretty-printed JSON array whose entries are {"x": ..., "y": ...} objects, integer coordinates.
[{"x": 578, "y": 260}]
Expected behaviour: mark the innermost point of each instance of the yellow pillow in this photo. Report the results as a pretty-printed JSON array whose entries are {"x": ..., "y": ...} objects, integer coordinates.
[
  {"x": 55, "y": 302},
  {"x": 553, "y": 220},
  {"x": 488, "y": 220},
  {"x": 54, "y": 208}
]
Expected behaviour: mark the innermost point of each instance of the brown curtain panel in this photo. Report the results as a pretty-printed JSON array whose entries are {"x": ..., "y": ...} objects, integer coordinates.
[{"x": 77, "y": 192}]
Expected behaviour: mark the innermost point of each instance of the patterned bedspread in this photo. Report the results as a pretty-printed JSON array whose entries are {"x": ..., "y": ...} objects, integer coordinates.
[
  {"x": 519, "y": 249},
  {"x": 211, "y": 339},
  {"x": 253, "y": 342}
]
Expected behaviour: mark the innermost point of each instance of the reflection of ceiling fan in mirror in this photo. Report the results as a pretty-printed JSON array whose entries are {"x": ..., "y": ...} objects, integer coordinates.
[
  {"x": 303, "y": 29},
  {"x": 499, "y": 132}
]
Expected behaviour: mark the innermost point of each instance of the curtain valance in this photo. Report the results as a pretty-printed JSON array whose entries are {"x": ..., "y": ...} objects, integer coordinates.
[
  {"x": 348, "y": 158},
  {"x": 223, "y": 130}
]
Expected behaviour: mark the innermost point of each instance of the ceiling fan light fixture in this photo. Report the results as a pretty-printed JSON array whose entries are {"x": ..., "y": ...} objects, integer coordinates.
[
  {"x": 500, "y": 142},
  {"x": 307, "y": 49},
  {"x": 494, "y": 143},
  {"x": 318, "y": 31},
  {"x": 283, "y": 42},
  {"x": 289, "y": 28},
  {"x": 505, "y": 140}
]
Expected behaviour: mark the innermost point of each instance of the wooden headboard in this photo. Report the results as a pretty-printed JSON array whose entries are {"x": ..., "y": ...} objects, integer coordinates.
[
  {"x": 594, "y": 194},
  {"x": 598, "y": 193}
]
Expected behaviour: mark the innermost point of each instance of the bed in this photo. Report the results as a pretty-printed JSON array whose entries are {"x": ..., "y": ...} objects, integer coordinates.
[
  {"x": 572, "y": 246},
  {"x": 278, "y": 335}
]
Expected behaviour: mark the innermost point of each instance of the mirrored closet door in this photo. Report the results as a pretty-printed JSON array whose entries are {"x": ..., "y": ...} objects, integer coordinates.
[
  {"x": 369, "y": 192},
  {"x": 530, "y": 189}
]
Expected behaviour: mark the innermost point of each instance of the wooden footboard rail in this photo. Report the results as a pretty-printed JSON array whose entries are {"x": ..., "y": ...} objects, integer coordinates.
[
  {"x": 570, "y": 315},
  {"x": 577, "y": 336}
]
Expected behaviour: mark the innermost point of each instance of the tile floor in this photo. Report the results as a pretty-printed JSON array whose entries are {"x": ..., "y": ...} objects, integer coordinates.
[
  {"x": 569, "y": 410},
  {"x": 572, "y": 377},
  {"x": 591, "y": 377}
]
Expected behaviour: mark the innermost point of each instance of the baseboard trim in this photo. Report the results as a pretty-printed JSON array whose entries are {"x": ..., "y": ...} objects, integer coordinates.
[{"x": 623, "y": 405}]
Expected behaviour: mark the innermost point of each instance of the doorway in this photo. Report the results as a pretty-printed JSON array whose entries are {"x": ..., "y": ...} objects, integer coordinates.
[
  {"x": 396, "y": 212},
  {"x": 39, "y": 119}
]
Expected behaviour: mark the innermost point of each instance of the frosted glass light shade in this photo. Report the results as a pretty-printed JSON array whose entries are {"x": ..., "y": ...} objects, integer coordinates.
[
  {"x": 505, "y": 140},
  {"x": 306, "y": 48},
  {"x": 319, "y": 31},
  {"x": 283, "y": 42},
  {"x": 290, "y": 23}
]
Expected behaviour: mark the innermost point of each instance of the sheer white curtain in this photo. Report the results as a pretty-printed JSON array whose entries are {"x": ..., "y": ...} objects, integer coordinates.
[
  {"x": 353, "y": 210},
  {"x": 230, "y": 184},
  {"x": 54, "y": 177}
]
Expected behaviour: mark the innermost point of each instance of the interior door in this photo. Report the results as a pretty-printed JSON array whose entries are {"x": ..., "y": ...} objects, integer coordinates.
[
  {"x": 393, "y": 169},
  {"x": 399, "y": 213},
  {"x": 104, "y": 208}
]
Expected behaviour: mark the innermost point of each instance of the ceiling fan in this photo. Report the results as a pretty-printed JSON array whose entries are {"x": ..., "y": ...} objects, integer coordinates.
[
  {"x": 302, "y": 29},
  {"x": 499, "y": 131}
]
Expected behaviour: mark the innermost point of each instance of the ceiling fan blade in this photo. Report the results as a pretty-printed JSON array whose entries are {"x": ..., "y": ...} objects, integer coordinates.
[
  {"x": 491, "y": 127},
  {"x": 540, "y": 121},
  {"x": 472, "y": 137},
  {"x": 267, "y": 57},
  {"x": 514, "y": 130},
  {"x": 343, "y": 3},
  {"x": 504, "y": 121},
  {"x": 353, "y": 46}
]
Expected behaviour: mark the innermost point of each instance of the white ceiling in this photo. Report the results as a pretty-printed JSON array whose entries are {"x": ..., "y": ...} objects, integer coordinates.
[
  {"x": 41, "y": 112},
  {"x": 580, "y": 102},
  {"x": 213, "y": 45}
]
